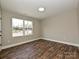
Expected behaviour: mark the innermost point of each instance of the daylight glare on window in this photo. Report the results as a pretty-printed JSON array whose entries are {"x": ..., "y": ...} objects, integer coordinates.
[{"x": 21, "y": 27}]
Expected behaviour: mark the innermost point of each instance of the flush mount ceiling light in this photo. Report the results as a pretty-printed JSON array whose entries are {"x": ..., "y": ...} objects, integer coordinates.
[{"x": 41, "y": 9}]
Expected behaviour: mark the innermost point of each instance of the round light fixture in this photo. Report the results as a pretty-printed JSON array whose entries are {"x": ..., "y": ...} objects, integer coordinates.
[{"x": 41, "y": 9}]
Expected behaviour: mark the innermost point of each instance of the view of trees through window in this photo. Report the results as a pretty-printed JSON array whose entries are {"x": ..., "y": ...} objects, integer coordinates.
[
  {"x": 21, "y": 27},
  {"x": 28, "y": 27}
]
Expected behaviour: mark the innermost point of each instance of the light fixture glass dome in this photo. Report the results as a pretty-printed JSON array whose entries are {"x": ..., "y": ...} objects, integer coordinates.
[{"x": 41, "y": 9}]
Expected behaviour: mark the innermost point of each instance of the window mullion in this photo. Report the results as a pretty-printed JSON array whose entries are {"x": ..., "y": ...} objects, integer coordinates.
[{"x": 23, "y": 28}]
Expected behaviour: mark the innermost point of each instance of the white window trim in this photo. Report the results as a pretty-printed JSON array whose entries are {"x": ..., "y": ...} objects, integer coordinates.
[{"x": 23, "y": 28}]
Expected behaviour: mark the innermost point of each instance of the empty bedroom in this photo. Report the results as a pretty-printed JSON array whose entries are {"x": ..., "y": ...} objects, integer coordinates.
[{"x": 39, "y": 29}]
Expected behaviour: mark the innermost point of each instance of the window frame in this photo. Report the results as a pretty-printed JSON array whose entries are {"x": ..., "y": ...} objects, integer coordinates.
[{"x": 23, "y": 27}]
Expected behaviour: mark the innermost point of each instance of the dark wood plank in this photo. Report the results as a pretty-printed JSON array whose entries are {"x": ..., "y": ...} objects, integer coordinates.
[{"x": 41, "y": 49}]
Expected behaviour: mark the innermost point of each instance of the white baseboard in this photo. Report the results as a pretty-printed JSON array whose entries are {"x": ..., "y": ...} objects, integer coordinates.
[
  {"x": 9, "y": 46},
  {"x": 73, "y": 44},
  {"x": 5, "y": 47}
]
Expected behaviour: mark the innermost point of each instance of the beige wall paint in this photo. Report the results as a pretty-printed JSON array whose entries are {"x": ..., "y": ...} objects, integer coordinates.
[
  {"x": 78, "y": 14},
  {"x": 63, "y": 27},
  {"x": 0, "y": 26},
  {"x": 7, "y": 29},
  {"x": 0, "y": 19},
  {"x": 0, "y": 12}
]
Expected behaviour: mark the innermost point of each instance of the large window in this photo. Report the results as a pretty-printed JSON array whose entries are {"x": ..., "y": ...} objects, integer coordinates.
[{"x": 21, "y": 27}]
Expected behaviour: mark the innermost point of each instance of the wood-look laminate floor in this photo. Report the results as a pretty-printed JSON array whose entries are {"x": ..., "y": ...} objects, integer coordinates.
[{"x": 41, "y": 49}]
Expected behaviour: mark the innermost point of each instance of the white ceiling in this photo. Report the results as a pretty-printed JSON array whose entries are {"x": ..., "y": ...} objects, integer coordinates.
[{"x": 30, "y": 7}]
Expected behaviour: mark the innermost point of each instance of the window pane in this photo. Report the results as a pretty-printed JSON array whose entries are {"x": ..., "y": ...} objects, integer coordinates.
[
  {"x": 17, "y": 27},
  {"x": 28, "y": 27}
]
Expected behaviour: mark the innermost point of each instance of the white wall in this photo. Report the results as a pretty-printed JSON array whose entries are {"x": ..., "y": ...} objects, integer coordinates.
[
  {"x": 63, "y": 27},
  {"x": 7, "y": 29}
]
